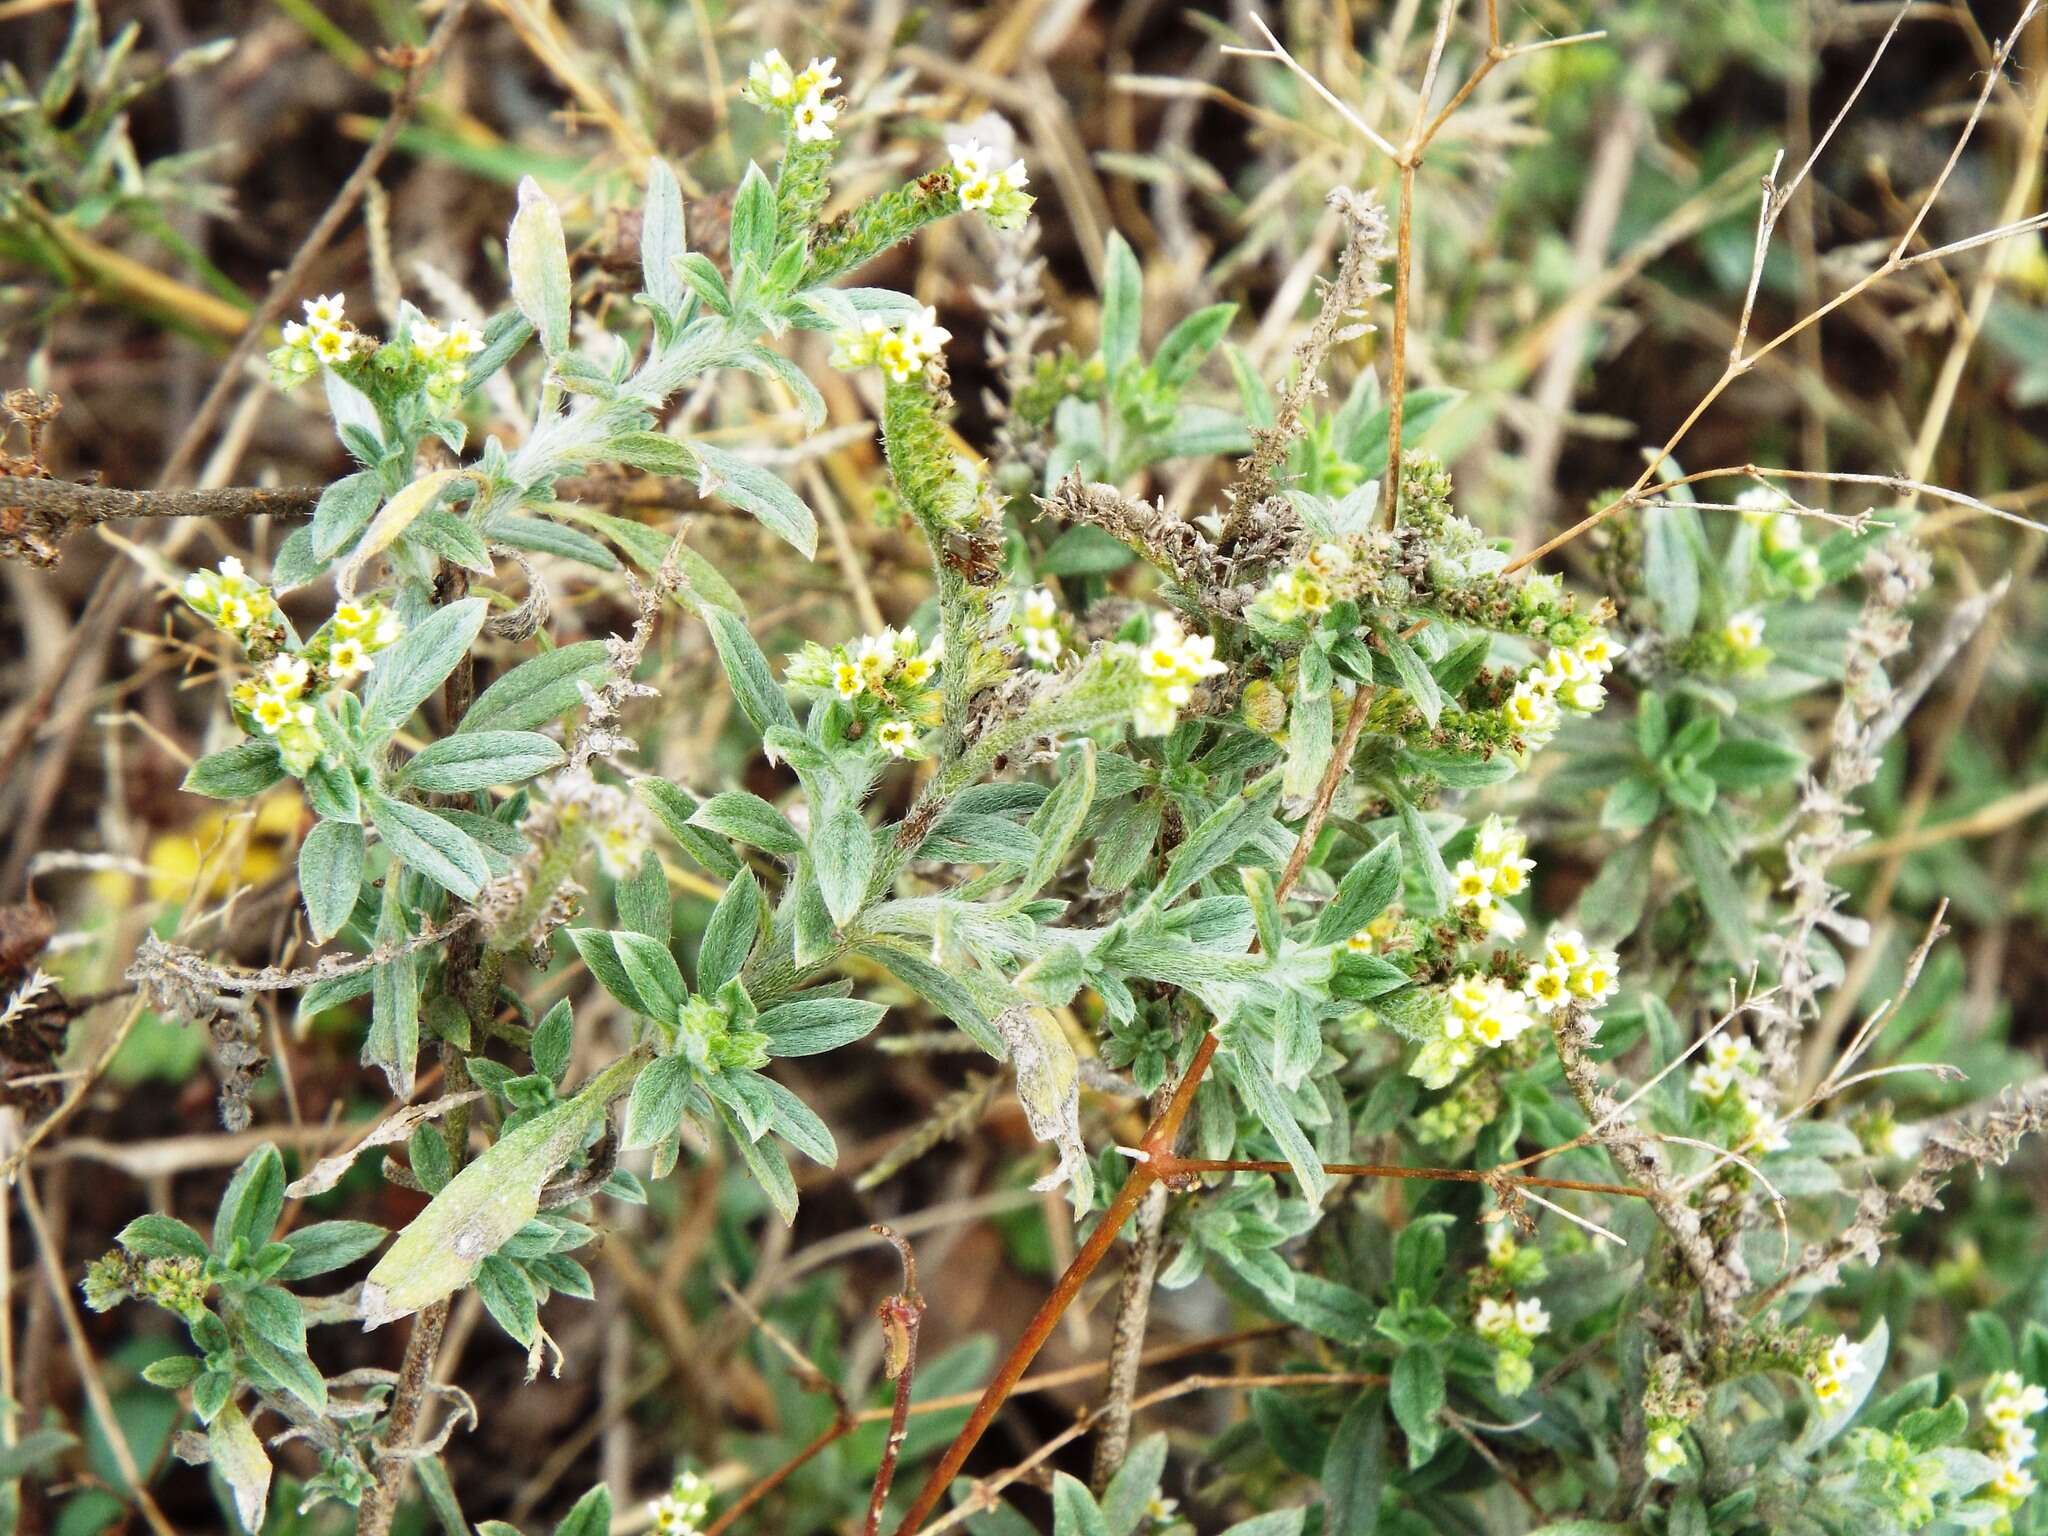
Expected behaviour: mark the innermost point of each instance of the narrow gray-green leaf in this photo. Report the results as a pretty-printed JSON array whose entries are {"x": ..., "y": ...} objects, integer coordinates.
[{"x": 330, "y": 875}]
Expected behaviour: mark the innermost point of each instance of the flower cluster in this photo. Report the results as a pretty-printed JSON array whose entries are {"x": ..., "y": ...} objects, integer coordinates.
[
  {"x": 1569, "y": 677},
  {"x": 1731, "y": 1081},
  {"x": 887, "y": 681},
  {"x": 444, "y": 354},
  {"x": 1172, "y": 663},
  {"x": 1828, "y": 1373},
  {"x": 902, "y": 352},
  {"x": 1571, "y": 971},
  {"x": 1307, "y": 589},
  {"x": 2008, "y": 1403},
  {"x": 1788, "y": 560},
  {"x": 1512, "y": 1328},
  {"x": 229, "y": 600},
  {"x": 1496, "y": 868},
  {"x": 1903, "y": 1479},
  {"x": 983, "y": 189},
  {"x": 325, "y": 337},
  {"x": 1035, "y": 628},
  {"x": 683, "y": 1509},
  {"x": 1481, "y": 1013},
  {"x": 356, "y": 633},
  {"x": 799, "y": 93}
]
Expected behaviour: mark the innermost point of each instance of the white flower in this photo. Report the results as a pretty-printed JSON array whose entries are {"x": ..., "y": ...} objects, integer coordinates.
[
  {"x": 1759, "y": 504},
  {"x": 1828, "y": 1375},
  {"x": 770, "y": 79},
  {"x": 847, "y": 680},
  {"x": 1042, "y": 646},
  {"x": 1548, "y": 987},
  {"x": 234, "y": 613},
  {"x": 1599, "y": 651},
  {"x": 464, "y": 339},
  {"x": 1530, "y": 1318},
  {"x": 1744, "y": 631},
  {"x": 1041, "y": 610},
  {"x": 325, "y": 312},
  {"x": 813, "y": 118},
  {"x": 923, "y": 334},
  {"x": 1014, "y": 177},
  {"x": 817, "y": 77},
  {"x": 895, "y": 737},
  {"x": 1566, "y": 948},
  {"x": 286, "y": 675},
  {"x": 1531, "y": 710},
  {"x": 977, "y": 193},
  {"x": 970, "y": 160},
  {"x": 1471, "y": 884},
  {"x": 1598, "y": 979},
  {"x": 1585, "y": 696},
  {"x": 1665, "y": 1454},
  {"x": 272, "y": 711},
  {"x": 1494, "y": 1317},
  {"x": 347, "y": 660}
]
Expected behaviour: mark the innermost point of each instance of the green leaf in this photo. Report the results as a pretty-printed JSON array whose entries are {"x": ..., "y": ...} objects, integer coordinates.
[
  {"x": 431, "y": 844},
  {"x": 1417, "y": 1395},
  {"x": 637, "y": 970},
  {"x": 1713, "y": 879},
  {"x": 749, "y": 819},
  {"x": 328, "y": 1245},
  {"x": 1084, "y": 550},
  {"x": 245, "y": 769},
  {"x": 539, "y": 690},
  {"x": 417, "y": 665},
  {"x": 1368, "y": 888},
  {"x": 554, "y": 1037},
  {"x": 767, "y": 1164},
  {"x": 238, "y": 1455},
  {"x": 730, "y": 934},
  {"x": 1074, "y": 1510},
  {"x": 1420, "y": 409},
  {"x": 673, "y": 808},
  {"x": 253, "y": 1201},
  {"x": 537, "y": 258},
  {"x": 508, "y": 1296},
  {"x": 1056, "y": 824},
  {"x": 843, "y": 857},
  {"x": 393, "y": 1043},
  {"x": 655, "y": 1107},
  {"x": 1190, "y": 342},
  {"x": 1262, "y": 1096},
  {"x": 1671, "y": 573},
  {"x": 1747, "y": 764},
  {"x": 662, "y": 240},
  {"x": 1126, "y": 1501},
  {"x": 642, "y": 900},
  {"x": 330, "y": 875},
  {"x": 1423, "y": 854},
  {"x": 796, "y": 1123},
  {"x": 806, "y": 1026},
  {"x": 1216, "y": 840},
  {"x": 754, "y": 688},
  {"x": 161, "y": 1237},
  {"x": 1311, "y": 729},
  {"x": 1123, "y": 302},
  {"x": 1632, "y": 804},
  {"x": 479, "y": 1209},
  {"x": 1417, "y": 681},
  {"x": 590, "y": 1515},
  {"x": 344, "y": 510},
  {"x": 753, "y": 221},
  {"x": 758, "y": 491},
  {"x": 474, "y": 760}
]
